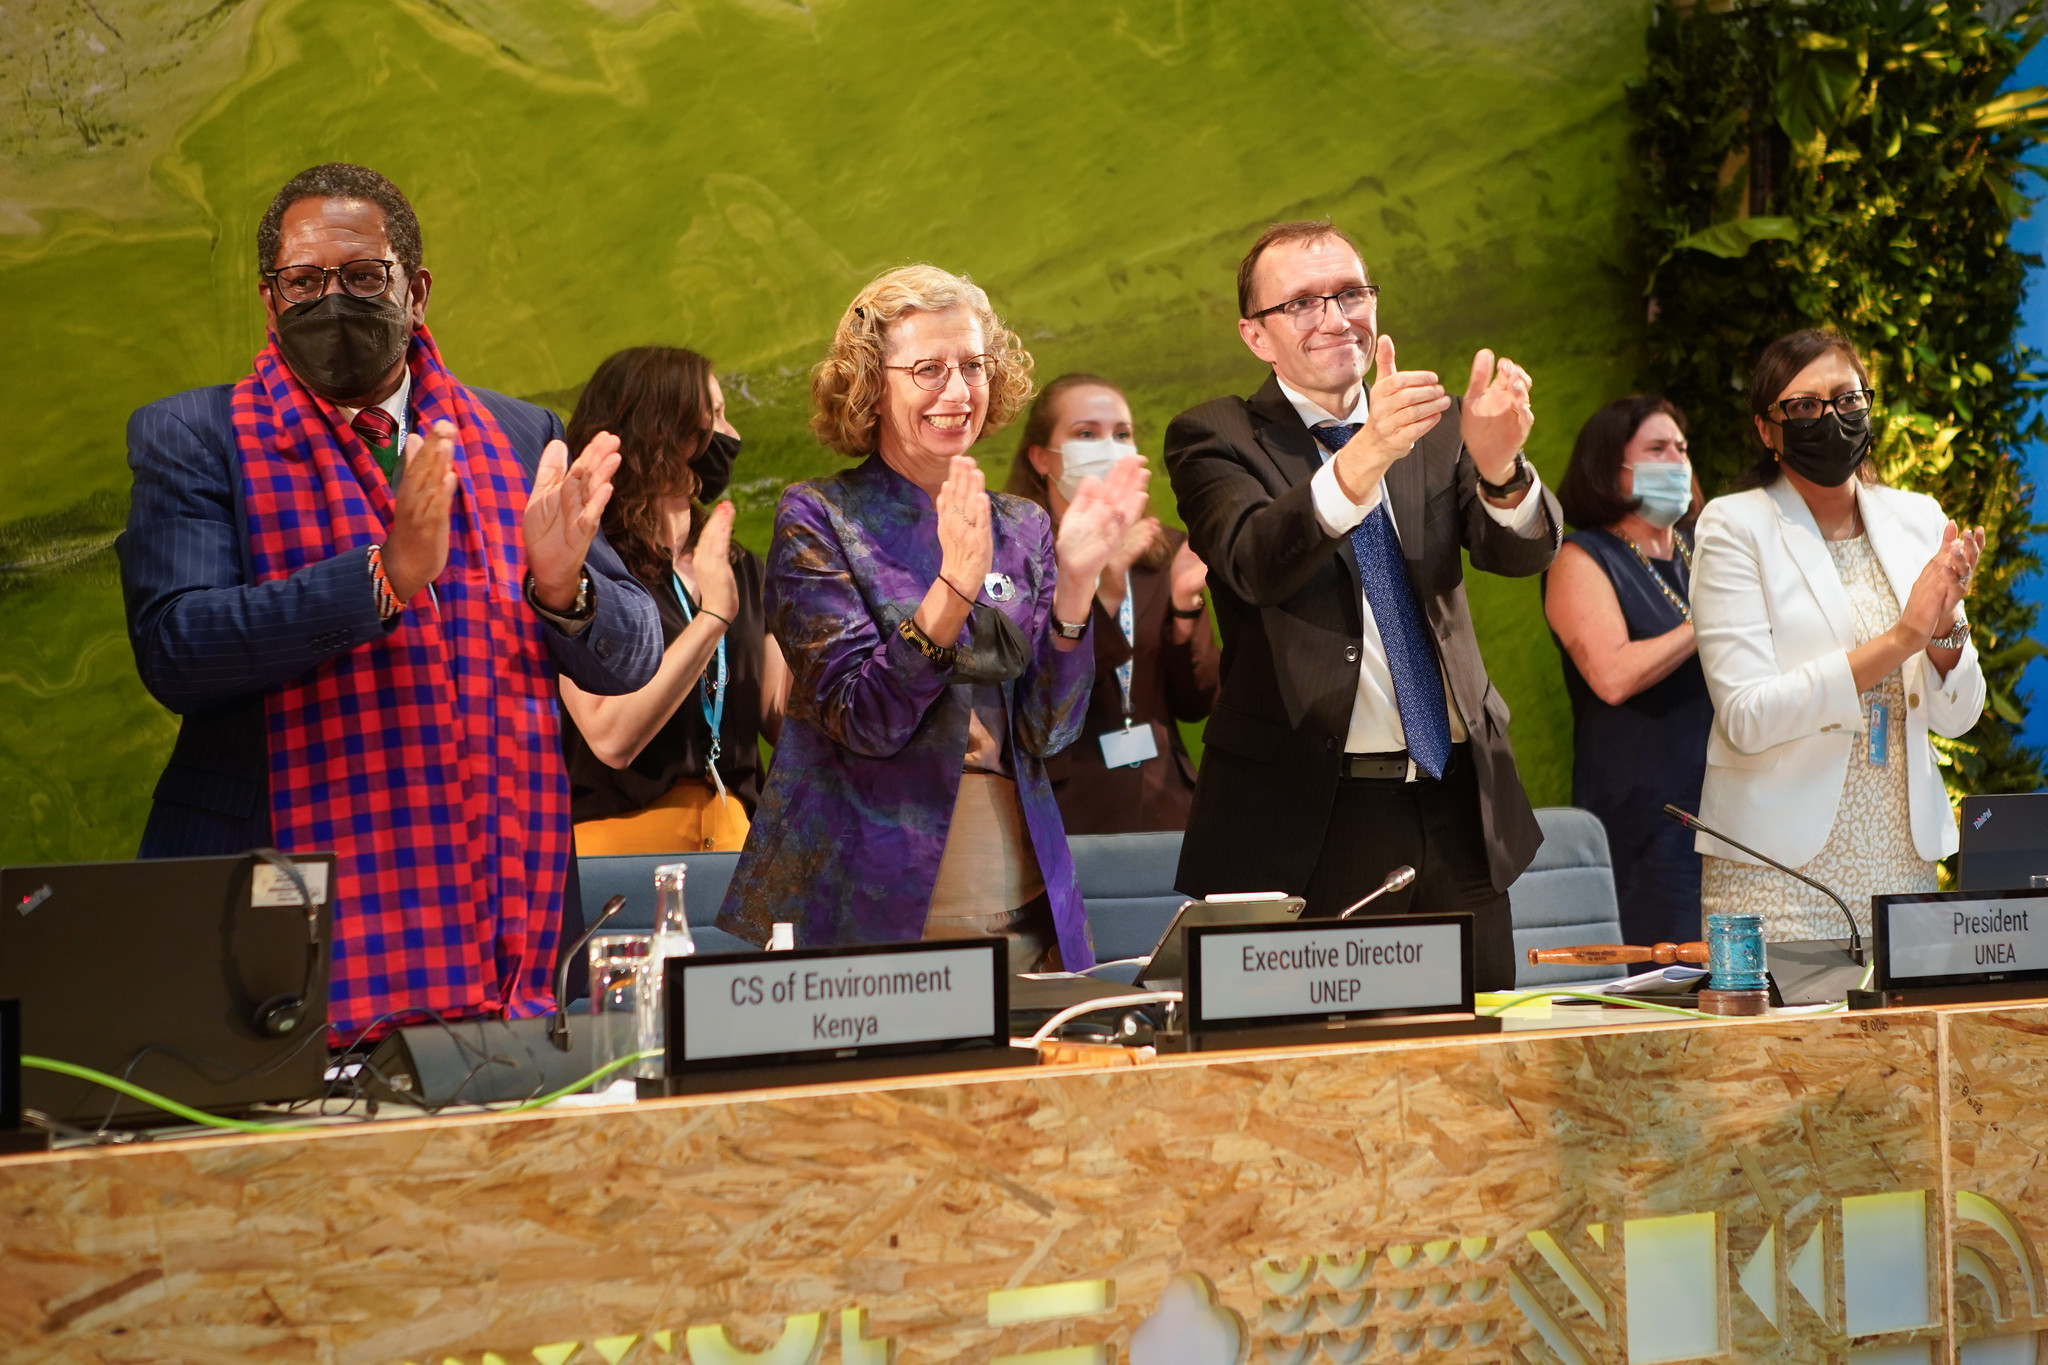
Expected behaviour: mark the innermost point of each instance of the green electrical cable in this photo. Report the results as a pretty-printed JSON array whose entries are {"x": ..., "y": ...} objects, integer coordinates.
[
  {"x": 150, "y": 1097},
  {"x": 187, "y": 1112}
]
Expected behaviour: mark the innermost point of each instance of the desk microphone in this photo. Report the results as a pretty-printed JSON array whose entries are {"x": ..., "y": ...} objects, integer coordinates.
[
  {"x": 1396, "y": 879},
  {"x": 1693, "y": 822},
  {"x": 558, "y": 1025}
]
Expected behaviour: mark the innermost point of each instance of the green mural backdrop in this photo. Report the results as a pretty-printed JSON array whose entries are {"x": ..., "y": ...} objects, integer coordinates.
[{"x": 723, "y": 174}]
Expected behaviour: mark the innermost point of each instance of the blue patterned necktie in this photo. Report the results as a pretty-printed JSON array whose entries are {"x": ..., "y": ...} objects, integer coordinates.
[{"x": 1411, "y": 658}]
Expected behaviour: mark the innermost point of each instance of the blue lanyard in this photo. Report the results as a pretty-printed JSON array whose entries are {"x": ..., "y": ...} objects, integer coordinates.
[
  {"x": 1125, "y": 619},
  {"x": 711, "y": 686}
]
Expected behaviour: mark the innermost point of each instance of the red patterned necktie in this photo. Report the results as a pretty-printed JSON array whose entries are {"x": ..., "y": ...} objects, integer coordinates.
[{"x": 377, "y": 428}]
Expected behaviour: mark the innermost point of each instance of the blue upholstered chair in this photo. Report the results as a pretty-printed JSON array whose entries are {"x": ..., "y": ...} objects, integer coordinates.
[
  {"x": 633, "y": 873},
  {"x": 1565, "y": 896},
  {"x": 1127, "y": 886}
]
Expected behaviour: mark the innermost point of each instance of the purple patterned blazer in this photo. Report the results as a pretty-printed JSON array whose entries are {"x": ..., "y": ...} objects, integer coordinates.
[{"x": 847, "y": 839}]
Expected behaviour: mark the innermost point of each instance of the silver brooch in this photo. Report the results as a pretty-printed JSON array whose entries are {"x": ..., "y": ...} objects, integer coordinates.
[{"x": 999, "y": 587}]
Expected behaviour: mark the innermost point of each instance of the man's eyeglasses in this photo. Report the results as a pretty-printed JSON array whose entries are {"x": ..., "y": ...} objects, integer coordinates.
[
  {"x": 300, "y": 283},
  {"x": 1802, "y": 412},
  {"x": 1356, "y": 304},
  {"x": 932, "y": 375}
]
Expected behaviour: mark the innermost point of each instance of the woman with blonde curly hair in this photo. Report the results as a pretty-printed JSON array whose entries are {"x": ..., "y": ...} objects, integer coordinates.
[{"x": 936, "y": 637}]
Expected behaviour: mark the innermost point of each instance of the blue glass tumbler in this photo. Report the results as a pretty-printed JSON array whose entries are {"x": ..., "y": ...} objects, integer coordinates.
[{"x": 1735, "y": 952}]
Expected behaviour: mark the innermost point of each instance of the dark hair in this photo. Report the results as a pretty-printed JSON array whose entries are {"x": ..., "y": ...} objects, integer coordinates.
[
  {"x": 1776, "y": 368},
  {"x": 340, "y": 180},
  {"x": 1590, "y": 492},
  {"x": 1283, "y": 234},
  {"x": 1039, "y": 420},
  {"x": 657, "y": 401}
]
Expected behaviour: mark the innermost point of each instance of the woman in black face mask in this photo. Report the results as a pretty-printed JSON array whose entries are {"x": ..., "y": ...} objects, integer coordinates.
[
  {"x": 1829, "y": 611},
  {"x": 676, "y": 766}
]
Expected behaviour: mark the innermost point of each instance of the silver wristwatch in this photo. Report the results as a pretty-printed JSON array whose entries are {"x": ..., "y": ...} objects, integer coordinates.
[{"x": 1958, "y": 635}]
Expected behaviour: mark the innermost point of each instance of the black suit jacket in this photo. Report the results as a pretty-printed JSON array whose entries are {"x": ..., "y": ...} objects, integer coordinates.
[{"x": 1287, "y": 600}]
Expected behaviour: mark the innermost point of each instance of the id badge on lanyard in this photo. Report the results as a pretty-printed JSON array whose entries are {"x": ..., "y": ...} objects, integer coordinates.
[
  {"x": 1880, "y": 733},
  {"x": 1134, "y": 744}
]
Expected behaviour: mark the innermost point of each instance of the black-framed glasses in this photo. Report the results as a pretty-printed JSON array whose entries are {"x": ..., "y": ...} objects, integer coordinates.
[
  {"x": 1355, "y": 303},
  {"x": 365, "y": 279},
  {"x": 1802, "y": 412},
  {"x": 932, "y": 375}
]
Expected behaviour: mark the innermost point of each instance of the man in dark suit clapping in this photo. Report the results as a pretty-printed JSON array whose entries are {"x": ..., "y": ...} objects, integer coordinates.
[{"x": 1357, "y": 729}]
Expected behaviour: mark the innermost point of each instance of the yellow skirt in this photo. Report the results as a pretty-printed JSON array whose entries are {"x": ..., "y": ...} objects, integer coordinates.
[{"x": 690, "y": 818}]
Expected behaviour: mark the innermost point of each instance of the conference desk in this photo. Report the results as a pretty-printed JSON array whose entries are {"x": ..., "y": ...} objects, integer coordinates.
[{"x": 1840, "y": 1187}]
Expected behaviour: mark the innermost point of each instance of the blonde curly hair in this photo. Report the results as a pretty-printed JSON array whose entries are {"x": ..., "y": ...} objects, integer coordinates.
[{"x": 848, "y": 384}]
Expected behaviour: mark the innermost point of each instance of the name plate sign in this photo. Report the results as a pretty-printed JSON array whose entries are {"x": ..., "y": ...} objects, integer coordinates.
[
  {"x": 1329, "y": 971},
  {"x": 1960, "y": 938},
  {"x": 821, "y": 1004}
]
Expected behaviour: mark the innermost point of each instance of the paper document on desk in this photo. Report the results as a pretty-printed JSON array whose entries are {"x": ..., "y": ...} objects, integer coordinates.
[{"x": 1656, "y": 981}]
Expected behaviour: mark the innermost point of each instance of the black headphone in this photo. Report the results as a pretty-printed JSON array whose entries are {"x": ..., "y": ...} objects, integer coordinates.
[{"x": 281, "y": 1015}]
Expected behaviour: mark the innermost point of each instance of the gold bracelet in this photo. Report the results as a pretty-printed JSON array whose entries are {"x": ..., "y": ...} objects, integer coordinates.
[{"x": 942, "y": 655}]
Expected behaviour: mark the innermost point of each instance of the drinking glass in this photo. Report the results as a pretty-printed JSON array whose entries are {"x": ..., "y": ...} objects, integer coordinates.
[{"x": 620, "y": 971}]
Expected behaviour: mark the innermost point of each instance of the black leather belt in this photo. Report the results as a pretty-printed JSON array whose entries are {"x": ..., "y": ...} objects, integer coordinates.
[{"x": 1391, "y": 767}]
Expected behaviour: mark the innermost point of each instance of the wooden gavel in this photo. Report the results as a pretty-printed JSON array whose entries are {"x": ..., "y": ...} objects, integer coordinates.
[{"x": 1604, "y": 954}]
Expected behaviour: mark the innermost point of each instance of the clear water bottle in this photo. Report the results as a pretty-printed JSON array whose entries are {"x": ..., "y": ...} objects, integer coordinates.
[{"x": 671, "y": 939}]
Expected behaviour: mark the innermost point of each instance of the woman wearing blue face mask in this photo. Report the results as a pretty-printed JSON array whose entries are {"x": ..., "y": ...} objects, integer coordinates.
[
  {"x": 1156, "y": 660},
  {"x": 1618, "y": 600}
]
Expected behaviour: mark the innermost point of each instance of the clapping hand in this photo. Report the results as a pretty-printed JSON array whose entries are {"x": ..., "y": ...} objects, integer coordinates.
[
  {"x": 1400, "y": 410},
  {"x": 1932, "y": 601},
  {"x": 1496, "y": 417},
  {"x": 417, "y": 549},
  {"x": 1097, "y": 520},
  {"x": 711, "y": 565},
  {"x": 967, "y": 544},
  {"x": 562, "y": 516},
  {"x": 1138, "y": 538},
  {"x": 1187, "y": 577}
]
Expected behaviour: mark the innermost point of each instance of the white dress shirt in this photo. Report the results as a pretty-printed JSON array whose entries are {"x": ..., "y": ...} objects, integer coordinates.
[{"x": 1375, "y": 714}]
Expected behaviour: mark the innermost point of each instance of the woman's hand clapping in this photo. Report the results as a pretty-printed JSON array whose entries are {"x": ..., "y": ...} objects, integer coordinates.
[
  {"x": 1101, "y": 513},
  {"x": 967, "y": 544},
  {"x": 1930, "y": 607},
  {"x": 711, "y": 565}
]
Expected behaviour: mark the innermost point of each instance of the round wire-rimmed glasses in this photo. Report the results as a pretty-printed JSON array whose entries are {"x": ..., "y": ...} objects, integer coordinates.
[
  {"x": 365, "y": 279},
  {"x": 933, "y": 375}
]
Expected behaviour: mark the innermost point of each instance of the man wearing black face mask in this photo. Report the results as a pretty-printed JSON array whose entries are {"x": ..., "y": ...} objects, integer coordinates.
[{"x": 356, "y": 579}]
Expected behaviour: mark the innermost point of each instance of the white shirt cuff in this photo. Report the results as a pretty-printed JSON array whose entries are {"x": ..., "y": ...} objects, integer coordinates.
[
  {"x": 1523, "y": 514},
  {"x": 1336, "y": 511}
]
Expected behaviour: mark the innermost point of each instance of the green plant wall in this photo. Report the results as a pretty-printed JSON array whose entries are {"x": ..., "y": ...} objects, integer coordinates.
[
  {"x": 723, "y": 174},
  {"x": 1858, "y": 165}
]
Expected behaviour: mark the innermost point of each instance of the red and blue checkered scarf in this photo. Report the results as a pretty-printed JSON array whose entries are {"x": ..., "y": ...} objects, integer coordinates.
[{"x": 428, "y": 760}]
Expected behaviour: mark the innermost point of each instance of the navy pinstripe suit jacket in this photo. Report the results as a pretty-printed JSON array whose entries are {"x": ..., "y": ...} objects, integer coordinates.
[{"x": 209, "y": 643}]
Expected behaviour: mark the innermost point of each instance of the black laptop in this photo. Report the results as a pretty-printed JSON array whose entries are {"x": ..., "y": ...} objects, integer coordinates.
[
  {"x": 155, "y": 971},
  {"x": 2005, "y": 842}
]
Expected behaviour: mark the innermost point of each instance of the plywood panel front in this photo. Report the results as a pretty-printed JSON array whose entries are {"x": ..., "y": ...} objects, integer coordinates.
[{"x": 1346, "y": 1204}]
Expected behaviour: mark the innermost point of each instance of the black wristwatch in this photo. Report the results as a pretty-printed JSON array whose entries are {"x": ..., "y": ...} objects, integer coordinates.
[
  {"x": 1177, "y": 614},
  {"x": 1523, "y": 477}
]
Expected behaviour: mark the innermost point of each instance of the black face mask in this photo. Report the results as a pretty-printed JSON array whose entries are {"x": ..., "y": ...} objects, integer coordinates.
[
  {"x": 713, "y": 466},
  {"x": 1828, "y": 450},
  {"x": 995, "y": 652},
  {"x": 341, "y": 346}
]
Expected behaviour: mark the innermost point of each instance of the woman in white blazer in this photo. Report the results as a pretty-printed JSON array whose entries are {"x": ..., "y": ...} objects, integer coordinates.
[{"x": 1828, "y": 610}]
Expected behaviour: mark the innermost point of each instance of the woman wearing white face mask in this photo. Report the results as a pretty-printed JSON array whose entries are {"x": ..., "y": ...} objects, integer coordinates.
[
  {"x": 1618, "y": 600},
  {"x": 1156, "y": 659}
]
